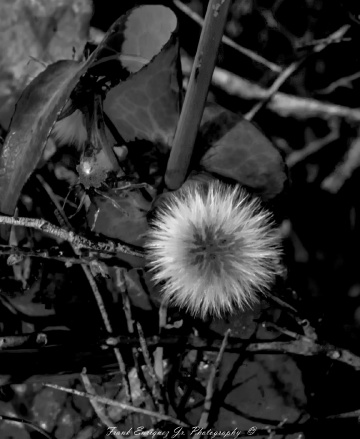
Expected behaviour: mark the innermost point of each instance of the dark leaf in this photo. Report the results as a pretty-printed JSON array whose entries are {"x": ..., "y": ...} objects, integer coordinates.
[
  {"x": 33, "y": 34},
  {"x": 35, "y": 115},
  {"x": 241, "y": 152},
  {"x": 120, "y": 214},
  {"x": 147, "y": 105}
]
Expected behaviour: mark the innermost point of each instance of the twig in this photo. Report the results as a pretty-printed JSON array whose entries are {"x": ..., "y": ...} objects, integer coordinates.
[
  {"x": 98, "y": 409},
  {"x": 281, "y": 303},
  {"x": 274, "y": 88},
  {"x": 120, "y": 282},
  {"x": 108, "y": 327},
  {"x": 229, "y": 42},
  {"x": 307, "y": 347},
  {"x": 108, "y": 401},
  {"x": 302, "y": 46},
  {"x": 344, "y": 170},
  {"x": 313, "y": 147},
  {"x": 196, "y": 94},
  {"x": 64, "y": 222},
  {"x": 281, "y": 103},
  {"x": 342, "y": 82},
  {"x": 293, "y": 68},
  {"x": 304, "y": 346},
  {"x": 204, "y": 419},
  {"x": 77, "y": 241},
  {"x": 54, "y": 199},
  {"x": 159, "y": 352},
  {"x": 156, "y": 385},
  {"x": 24, "y": 252}
]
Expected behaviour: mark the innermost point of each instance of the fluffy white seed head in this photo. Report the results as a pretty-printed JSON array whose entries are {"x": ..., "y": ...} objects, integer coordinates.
[
  {"x": 213, "y": 249},
  {"x": 71, "y": 130}
]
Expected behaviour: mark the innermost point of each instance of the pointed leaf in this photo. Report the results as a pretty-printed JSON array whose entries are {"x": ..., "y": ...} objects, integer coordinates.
[
  {"x": 35, "y": 114},
  {"x": 241, "y": 152},
  {"x": 147, "y": 105}
]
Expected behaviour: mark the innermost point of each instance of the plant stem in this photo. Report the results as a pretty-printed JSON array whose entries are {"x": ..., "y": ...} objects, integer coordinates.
[{"x": 196, "y": 94}]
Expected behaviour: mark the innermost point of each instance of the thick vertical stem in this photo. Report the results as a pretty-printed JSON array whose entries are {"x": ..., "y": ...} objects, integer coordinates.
[{"x": 196, "y": 94}]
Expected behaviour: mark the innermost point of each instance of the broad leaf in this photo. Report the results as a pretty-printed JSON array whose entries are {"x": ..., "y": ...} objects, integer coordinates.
[
  {"x": 34, "y": 33},
  {"x": 241, "y": 152},
  {"x": 120, "y": 214},
  {"x": 35, "y": 115},
  {"x": 147, "y": 105}
]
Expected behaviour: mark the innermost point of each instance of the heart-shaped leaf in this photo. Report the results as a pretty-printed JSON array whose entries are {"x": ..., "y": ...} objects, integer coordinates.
[
  {"x": 241, "y": 152},
  {"x": 147, "y": 105}
]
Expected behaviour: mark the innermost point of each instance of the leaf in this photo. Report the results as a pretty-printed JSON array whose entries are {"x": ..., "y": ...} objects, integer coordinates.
[
  {"x": 147, "y": 105},
  {"x": 34, "y": 33},
  {"x": 147, "y": 30},
  {"x": 266, "y": 387},
  {"x": 35, "y": 114},
  {"x": 241, "y": 152},
  {"x": 120, "y": 214},
  {"x": 30, "y": 302}
]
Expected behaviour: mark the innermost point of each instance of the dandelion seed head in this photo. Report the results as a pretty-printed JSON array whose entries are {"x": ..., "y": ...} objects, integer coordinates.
[{"x": 213, "y": 248}]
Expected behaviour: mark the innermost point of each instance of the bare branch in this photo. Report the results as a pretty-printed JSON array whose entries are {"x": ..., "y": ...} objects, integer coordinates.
[
  {"x": 281, "y": 103},
  {"x": 77, "y": 241},
  {"x": 108, "y": 401},
  {"x": 229, "y": 42}
]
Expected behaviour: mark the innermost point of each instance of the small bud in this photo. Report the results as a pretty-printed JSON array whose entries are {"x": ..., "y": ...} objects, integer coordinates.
[{"x": 213, "y": 248}]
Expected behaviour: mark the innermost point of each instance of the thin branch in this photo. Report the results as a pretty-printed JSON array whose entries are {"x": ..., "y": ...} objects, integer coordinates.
[
  {"x": 226, "y": 40},
  {"x": 77, "y": 241},
  {"x": 284, "y": 76},
  {"x": 64, "y": 222},
  {"x": 108, "y": 401},
  {"x": 159, "y": 352},
  {"x": 204, "y": 419},
  {"x": 274, "y": 88},
  {"x": 99, "y": 409},
  {"x": 303, "y": 345},
  {"x": 344, "y": 170},
  {"x": 108, "y": 327},
  {"x": 54, "y": 199},
  {"x": 120, "y": 283},
  {"x": 156, "y": 385},
  {"x": 342, "y": 82},
  {"x": 196, "y": 94},
  {"x": 281, "y": 103},
  {"x": 23, "y": 252},
  {"x": 313, "y": 147}
]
